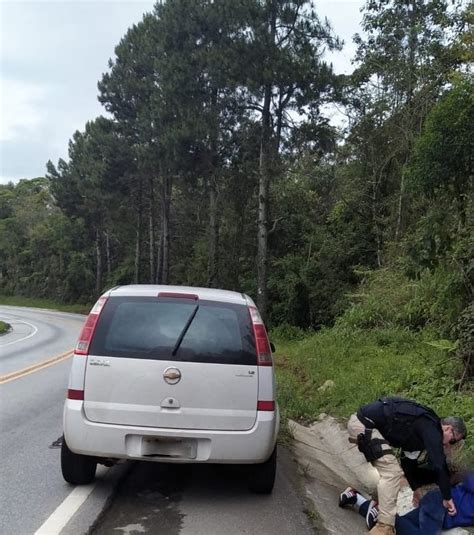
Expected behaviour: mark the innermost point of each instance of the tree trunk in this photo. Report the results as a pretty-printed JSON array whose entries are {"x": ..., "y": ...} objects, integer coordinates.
[
  {"x": 138, "y": 243},
  {"x": 264, "y": 183},
  {"x": 165, "y": 227},
  {"x": 152, "y": 233},
  {"x": 159, "y": 259},
  {"x": 107, "y": 254},
  {"x": 412, "y": 46},
  {"x": 98, "y": 273},
  {"x": 61, "y": 265},
  {"x": 375, "y": 221},
  {"x": 401, "y": 195},
  {"x": 263, "y": 189},
  {"x": 213, "y": 259},
  {"x": 237, "y": 248},
  {"x": 213, "y": 250}
]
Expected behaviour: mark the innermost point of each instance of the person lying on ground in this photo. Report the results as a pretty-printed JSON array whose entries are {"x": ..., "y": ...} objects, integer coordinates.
[{"x": 429, "y": 518}]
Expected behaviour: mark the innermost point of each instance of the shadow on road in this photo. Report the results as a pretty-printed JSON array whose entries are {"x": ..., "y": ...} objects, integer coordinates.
[{"x": 150, "y": 496}]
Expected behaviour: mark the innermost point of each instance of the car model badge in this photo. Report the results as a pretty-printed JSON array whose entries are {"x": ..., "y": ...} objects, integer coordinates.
[
  {"x": 99, "y": 362},
  {"x": 172, "y": 376}
]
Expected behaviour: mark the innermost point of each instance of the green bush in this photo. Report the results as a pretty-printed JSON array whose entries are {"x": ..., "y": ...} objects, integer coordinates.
[
  {"x": 4, "y": 327},
  {"x": 465, "y": 334},
  {"x": 287, "y": 332},
  {"x": 388, "y": 298}
]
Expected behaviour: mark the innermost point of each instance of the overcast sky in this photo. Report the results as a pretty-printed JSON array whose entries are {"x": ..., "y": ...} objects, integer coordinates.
[{"x": 52, "y": 54}]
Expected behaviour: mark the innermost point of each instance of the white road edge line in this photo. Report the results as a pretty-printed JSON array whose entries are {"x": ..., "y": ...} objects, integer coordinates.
[
  {"x": 25, "y": 337},
  {"x": 66, "y": 510}
]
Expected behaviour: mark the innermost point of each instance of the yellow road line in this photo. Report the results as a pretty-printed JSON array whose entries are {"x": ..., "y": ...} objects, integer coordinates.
[{"x": 34, "y": 368}]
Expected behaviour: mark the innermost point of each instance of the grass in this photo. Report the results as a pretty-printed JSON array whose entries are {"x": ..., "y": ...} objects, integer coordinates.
[
  {"x": 4, "y": 327},
  {"x": 364, "y": 365},
  {"x": 43, "y": 303}
]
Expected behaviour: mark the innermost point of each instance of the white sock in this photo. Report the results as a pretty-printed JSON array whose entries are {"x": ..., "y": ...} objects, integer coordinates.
[{"x": 360, "y": 500}]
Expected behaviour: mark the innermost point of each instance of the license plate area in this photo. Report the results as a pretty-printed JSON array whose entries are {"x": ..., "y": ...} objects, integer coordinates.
[{"x": 176, "y": 448}]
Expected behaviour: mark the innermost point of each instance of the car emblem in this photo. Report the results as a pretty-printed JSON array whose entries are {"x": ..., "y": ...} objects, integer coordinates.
[
  {"x": 99, "y": 362},
  {"x": 172, "y": 376}
]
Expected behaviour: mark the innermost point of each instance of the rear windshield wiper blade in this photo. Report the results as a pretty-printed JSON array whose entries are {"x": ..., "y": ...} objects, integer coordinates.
[{"x": 182, "y": 334}]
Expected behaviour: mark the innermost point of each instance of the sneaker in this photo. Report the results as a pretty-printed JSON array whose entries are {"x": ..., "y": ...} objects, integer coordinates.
[
  {"x": 372, "y": 514},
  {"x": 348, "y": 497}
]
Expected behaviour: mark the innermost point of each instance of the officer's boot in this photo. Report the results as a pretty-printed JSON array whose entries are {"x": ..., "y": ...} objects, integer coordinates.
[{"x": 382, "y": 529}]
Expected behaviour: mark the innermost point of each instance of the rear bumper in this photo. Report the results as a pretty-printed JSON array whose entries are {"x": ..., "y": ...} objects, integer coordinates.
[{"x": 199, "y": 446}]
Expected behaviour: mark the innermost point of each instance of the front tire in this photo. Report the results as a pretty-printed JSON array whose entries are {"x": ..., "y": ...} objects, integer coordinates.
[
  {"x": 77, "y": 469},
  {"x": 262, "y": 476}
]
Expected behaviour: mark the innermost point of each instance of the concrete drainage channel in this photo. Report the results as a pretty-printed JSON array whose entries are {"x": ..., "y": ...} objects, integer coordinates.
[{"x": 329, "y": 464}]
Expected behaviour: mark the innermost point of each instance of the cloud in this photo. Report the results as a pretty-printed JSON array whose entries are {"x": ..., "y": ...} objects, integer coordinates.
[
  {"x": 52, "y": 55},
  {"x": 22, "y": 106}
]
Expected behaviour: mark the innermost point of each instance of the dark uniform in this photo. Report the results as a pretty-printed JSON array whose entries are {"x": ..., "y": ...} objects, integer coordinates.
[{"x": 414, "y": 428}]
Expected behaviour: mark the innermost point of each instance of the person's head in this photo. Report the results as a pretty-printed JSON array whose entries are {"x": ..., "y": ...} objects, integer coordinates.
[{"x": 454, "y": 429}]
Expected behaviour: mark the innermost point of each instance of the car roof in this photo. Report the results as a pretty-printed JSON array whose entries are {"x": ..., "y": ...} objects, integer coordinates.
[{"x": 152, "y": 290}]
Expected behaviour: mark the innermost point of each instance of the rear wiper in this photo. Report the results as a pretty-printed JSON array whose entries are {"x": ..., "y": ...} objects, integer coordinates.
[{"x": 182, "y": 334}]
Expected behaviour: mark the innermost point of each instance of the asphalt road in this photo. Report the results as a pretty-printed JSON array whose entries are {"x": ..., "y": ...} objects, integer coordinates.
[
  {"x": 37, "y": 335},
  {"x": 205, "y": 500},
  {"x": 31, "y": 485},
  {"x": 140, "y": 497}
]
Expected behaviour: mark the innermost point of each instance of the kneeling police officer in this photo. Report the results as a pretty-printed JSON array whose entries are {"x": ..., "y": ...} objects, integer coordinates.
[{"x": 393, "y": 422}]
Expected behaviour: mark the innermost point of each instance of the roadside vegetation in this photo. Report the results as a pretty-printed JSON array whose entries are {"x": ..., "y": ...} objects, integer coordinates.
[
  {"x": 4, "y": 327},
  {"x": 37, "y": 302},
  {"x": 385, "y": 343}
]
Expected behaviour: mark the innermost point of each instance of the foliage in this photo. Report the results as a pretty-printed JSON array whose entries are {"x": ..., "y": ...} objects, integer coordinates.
[
  {"x": 441, "y": 175},
  {"x": 286, "y": 332},
  {"x": 465, "y": 347},
  {"x": 4, "y": 327},
  {"x": 387, "y": 298},
  {"x": 365, "y": 365},
  {"x": 44, "y": 303},
  {"x": 442, "y": 158}
]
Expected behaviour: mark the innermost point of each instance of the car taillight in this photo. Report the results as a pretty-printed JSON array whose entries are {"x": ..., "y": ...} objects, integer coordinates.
[
  {"x": 88, "y": 329},
  {"x": 264, "y": 353},
  {"x": 75, "y": 394},
  {"x": 265, "y": 405}
]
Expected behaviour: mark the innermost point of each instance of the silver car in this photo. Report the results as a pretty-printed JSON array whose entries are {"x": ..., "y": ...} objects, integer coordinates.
[{"x": 172, "y": 374}]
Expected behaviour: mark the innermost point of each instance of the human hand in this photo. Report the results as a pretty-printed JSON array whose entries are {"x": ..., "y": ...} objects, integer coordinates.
[
  {"x": 450, "y": 507},
  {"x": 416, "y": 497}
]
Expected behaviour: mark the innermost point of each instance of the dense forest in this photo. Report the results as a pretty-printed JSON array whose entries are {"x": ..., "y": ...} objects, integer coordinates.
[{"x": 216, "y": 165}]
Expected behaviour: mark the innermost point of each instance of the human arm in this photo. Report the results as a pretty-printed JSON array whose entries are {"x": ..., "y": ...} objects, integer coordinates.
[{"x": 433, "y": 441}]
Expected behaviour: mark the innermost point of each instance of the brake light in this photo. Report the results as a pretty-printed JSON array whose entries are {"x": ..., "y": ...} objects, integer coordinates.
[
  {"x": 178, "y": 295},
  {"x": 264, "y": 353},
  {"x": 75, "y": 394},
  {"x": 265, "y": 405},
  {"x": 87, "y": 332}
]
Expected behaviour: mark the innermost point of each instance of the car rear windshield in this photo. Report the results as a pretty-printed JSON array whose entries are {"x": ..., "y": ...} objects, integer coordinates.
[{"x": 175, "y": 329}]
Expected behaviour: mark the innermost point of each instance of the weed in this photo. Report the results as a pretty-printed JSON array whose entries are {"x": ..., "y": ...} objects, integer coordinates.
[{"x": 364, "y": 365}]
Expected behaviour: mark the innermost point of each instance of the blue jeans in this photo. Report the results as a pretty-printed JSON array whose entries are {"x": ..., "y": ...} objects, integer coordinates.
[{"x": 427, "y": 519}]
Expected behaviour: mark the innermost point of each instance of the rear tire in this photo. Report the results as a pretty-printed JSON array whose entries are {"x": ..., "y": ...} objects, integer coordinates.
[
  {"x": 262, "y": 476},
  {"x": 77, "y": 469}
]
